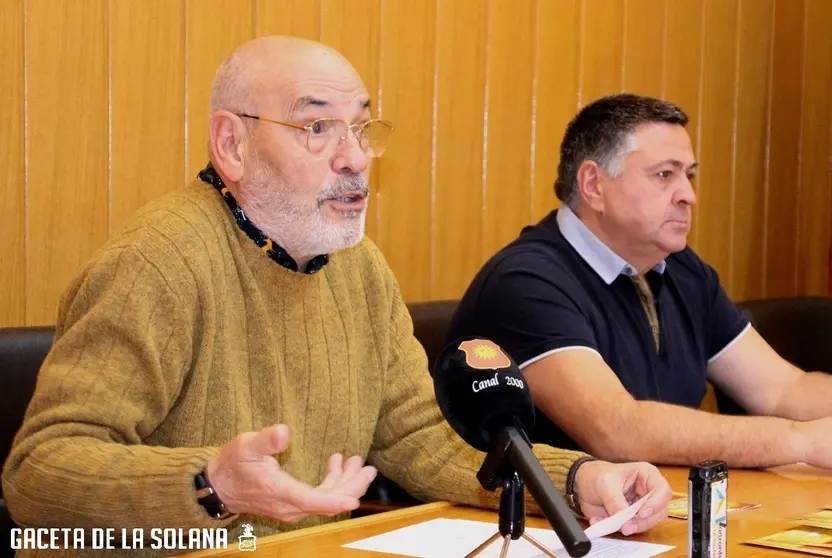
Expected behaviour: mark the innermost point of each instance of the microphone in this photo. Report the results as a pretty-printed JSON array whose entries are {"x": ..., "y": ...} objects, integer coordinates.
[{"x": 483, "y": 396}]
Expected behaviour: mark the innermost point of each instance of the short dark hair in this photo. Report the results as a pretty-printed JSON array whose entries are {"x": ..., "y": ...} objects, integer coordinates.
[{"x": 600, "y": 132}]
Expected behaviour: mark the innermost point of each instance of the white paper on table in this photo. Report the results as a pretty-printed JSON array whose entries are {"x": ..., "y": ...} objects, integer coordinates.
[{"x": 454, "y": 538}]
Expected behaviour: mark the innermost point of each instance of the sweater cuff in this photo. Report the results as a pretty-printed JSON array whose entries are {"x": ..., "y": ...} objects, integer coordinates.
[
  {"x": 183, "y": 492},
  {"x": 142, "y": 487}
]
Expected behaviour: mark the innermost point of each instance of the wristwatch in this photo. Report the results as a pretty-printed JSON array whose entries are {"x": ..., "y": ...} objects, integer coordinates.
[
  {"x": 572, "y": 497},
  {"x": 208, "y": 499}
]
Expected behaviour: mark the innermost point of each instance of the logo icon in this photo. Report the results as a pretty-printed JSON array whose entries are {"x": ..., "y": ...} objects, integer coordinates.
[
  {"x": 484, "y": 355},
  {"x": 248, "y": 542},
  {"x": 721, "y": 507}
]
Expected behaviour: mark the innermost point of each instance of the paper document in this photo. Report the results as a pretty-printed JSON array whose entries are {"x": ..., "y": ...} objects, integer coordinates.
[
  {"x": 810, "y": 540},
  {"x": 454, "y": 538},
  {"x": 822, "y": 519}
]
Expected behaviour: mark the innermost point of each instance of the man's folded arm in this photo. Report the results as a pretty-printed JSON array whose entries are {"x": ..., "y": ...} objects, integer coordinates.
[
  {"x": 122, "y": 352},
  {"x": 764, "y": 383},
  {"x": 580, "y": 393}
]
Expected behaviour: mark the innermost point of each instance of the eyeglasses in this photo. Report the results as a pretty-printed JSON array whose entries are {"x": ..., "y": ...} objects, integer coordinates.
[{"x": 373, "y": 135}]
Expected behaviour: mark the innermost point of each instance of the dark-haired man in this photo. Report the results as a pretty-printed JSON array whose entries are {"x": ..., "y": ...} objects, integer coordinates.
[{"x": 617, "y": 323}]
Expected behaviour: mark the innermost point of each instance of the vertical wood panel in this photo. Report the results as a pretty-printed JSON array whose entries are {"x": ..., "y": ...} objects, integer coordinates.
[
  {"x": 644, "y": 35},
  {"x": 12, "y": 169},
  {"x": 682, "y": 72},
  {"x": 815, "y": 203},
  {"x": 784, "y": 171},
  {"x": 147, "y": 46},
  {"x": 352, "y": 28},
  {"x": 299, "y": 18},
  {"x": 602, "y": 35},
  {"x": 407, "y": 97},
  {"x": 756, "y": 20},
  {"x": 213, "y": 29},
  {"x": 461, "y": 35},
  {"x": 509, "y": 75},
  {"x": 716, "y": 180},
  {"x": 67, "y": 144},
  {"x": 555, "y": 94}
]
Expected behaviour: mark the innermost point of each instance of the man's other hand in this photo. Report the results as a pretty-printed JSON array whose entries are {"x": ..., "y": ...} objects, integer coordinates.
[{"x": 606, "y": 488}]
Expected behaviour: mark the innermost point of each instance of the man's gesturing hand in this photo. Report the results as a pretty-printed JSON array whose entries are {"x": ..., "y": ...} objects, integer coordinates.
[{"x": 248, "y": 479}]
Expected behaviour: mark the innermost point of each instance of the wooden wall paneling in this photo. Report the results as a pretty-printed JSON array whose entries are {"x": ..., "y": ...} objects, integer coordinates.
[
  {"x": 682, "y": 71},
  {"x": 644, "y": 37},
  {"x": 555, "y": 94},
  {"x": 719, "y": 100},
  {"x": 784, "y": 142},
  {"x": 602, "y": 38},
  {"x": 458, "y": 193},
  {"x": 82, "y": 149},
  {"x": 509, "y": 74},
  {"x": 814, "y": 200},
  {"x": 213, "y": 29},
  {"x": 12, "y": 168},
  {"x": 298, "y": 18},
  {"x": 147, "y": 128},
  {"x": 353, "y": 27},
  {"x": 756, "y": 25},
  {"x": 406, "y": 98},
  {"x": 67, "y": 105}
]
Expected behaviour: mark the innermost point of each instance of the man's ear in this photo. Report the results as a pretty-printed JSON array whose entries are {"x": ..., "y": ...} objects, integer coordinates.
[
  {"x": 591, "y": 185},
  {"x": 227, "y": 141}
]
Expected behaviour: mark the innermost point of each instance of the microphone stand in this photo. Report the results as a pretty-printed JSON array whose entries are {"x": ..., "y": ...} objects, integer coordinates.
[
  {"x": 512, "y": 519},
  {"x": 508, "y": 464}
]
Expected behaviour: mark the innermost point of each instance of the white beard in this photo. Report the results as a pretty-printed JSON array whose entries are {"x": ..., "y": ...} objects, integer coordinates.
[{"x": 301, "y": 228}]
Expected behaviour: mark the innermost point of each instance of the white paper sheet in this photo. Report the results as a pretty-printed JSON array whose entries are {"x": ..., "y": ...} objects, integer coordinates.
[
  {"x": 454, "y": 538},
  {"x": 614, "y": 523}
]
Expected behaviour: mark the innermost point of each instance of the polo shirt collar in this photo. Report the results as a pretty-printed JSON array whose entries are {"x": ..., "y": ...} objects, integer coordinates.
[{"x": 600, "y": 257}]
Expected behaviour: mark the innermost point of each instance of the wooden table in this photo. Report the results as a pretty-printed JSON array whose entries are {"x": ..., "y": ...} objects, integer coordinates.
[{"x": 783, "y": 492}]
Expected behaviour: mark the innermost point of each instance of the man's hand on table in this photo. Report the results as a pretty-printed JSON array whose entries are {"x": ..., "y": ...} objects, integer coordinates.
[{"x": 605, "y": 488}]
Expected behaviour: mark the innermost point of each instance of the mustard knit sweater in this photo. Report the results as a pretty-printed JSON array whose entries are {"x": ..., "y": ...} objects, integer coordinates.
[{"x": 181, "y": 334}]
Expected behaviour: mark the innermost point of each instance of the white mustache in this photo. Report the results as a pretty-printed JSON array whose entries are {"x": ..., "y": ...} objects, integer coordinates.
[{"x": 347, "y": 185}]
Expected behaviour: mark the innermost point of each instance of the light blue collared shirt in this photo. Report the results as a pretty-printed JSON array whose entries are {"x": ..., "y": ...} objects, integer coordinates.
[{"x": 600, "y": 257}]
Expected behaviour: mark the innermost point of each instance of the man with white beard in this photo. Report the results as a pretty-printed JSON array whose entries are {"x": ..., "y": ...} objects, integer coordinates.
[{"x": 245, "y": 309}]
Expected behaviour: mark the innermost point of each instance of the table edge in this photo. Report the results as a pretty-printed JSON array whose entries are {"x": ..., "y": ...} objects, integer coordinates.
[{"x": 331, "y": 526}]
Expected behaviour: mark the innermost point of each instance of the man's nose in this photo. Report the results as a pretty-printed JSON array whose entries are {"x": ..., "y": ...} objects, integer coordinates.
[
  {"x": 349, "y": 156},
  {"x": 686, "y": 193}
]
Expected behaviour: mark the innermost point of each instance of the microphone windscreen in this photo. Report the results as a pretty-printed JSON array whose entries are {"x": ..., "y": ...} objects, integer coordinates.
[{"x": 480, "y": 389}]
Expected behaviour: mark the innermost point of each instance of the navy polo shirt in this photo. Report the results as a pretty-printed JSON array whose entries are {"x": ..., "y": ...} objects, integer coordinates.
[{"x": 558, "y": 287}]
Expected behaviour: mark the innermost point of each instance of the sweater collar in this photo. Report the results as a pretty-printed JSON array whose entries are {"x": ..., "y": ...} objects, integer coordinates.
[{"x": 271, "y": 248}]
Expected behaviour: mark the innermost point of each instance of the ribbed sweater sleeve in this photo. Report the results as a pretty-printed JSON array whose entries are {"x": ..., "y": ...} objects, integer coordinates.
[
  {"x": 414, "y": 445},
  {"x": 122, "y": 353}
]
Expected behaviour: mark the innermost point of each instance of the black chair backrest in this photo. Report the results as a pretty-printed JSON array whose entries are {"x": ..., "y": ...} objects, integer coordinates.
[
  {"x": 431, "y": 321},
  {"x": 22, "y": 350},
  {"x": 799, "y": 329}
]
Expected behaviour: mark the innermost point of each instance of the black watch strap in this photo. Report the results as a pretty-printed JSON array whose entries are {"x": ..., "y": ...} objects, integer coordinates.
[
  {"x": 572, "y": 497},
  {"x": 208, "y": 499}
]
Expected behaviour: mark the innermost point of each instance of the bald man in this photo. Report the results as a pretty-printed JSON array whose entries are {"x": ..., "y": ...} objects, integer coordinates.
[{"x": 241, "y": 354}]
